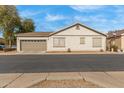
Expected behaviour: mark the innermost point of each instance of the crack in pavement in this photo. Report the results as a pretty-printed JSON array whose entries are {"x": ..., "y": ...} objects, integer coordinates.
[
  {"x": 83, "y": 78},
  {"x": 112, "y": 77},
  {"x": 13, "y": 80}
]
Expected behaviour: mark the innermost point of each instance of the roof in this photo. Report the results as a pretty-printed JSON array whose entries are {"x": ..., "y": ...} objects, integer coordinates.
[
  {"x": 75, "y": 25},
  {"x": 46, "y": 34},
  {"x": 32, "y": 34},
  {"x": 115, "y": 33}
]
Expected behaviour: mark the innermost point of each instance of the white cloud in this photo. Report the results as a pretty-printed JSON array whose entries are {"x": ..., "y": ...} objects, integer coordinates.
[
  {"x": 82, "y": 8},
  {"x": 28, "y": 13},
  {"x": 96, "y": 18},
  {"x": 54, "y": 17},
  {"x": 98, "y": 22}
]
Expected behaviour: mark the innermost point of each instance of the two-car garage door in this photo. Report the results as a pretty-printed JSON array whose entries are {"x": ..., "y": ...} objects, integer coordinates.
[{"x": 33, "y": 45}]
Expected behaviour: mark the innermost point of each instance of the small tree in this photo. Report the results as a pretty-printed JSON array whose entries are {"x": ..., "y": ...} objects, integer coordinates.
[
  {"x": 9, "y": 21},
  {"x": 27, "y": 26},
  {"x": 10, "y": 24}
]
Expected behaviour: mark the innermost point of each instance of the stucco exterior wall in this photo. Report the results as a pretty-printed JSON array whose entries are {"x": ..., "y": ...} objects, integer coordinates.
[
  {"x": 73, "y": 31},
  {"x": 72, "y": 40},
  {"x": 122, "y": 42},
  {"x": 118, "y": 42}
]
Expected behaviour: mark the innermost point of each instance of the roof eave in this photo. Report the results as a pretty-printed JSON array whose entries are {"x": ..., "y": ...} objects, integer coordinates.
[{"x": 80, "y": 25}]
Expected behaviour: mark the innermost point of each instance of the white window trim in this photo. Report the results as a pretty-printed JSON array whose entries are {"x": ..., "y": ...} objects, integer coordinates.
[
  {"x": 61, "y": 46},
  {"x": 96, "y": 46},
  {"x": 82, "y": 38}
]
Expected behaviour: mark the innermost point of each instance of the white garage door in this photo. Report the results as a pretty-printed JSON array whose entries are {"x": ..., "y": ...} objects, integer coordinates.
[{"x": 33, "y": 45}]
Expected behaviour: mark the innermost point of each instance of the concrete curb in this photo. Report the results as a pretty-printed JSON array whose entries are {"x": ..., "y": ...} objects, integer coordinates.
[{"x": 68, "y": 53}]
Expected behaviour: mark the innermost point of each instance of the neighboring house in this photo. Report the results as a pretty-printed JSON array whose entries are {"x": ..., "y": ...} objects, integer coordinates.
[
  {"x": 115, "y": 38},
  {"x": 76, "y": 37}
]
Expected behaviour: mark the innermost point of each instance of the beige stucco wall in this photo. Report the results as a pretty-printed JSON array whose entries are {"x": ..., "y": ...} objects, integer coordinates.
[
  {"x": 73, "y": 31},
  {"x": 118, "y": 42},
  {"x": 122, "y": 42},
  {"x": 72, "y": 40}
]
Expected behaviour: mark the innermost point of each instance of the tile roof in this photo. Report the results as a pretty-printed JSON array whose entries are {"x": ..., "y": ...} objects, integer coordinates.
[
  {"x": 43, "y": 34},
  {"x": 115, "y": 33}
]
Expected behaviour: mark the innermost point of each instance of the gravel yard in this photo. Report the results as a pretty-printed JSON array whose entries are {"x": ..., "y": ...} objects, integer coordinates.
[{"x": 65, "y": 84}]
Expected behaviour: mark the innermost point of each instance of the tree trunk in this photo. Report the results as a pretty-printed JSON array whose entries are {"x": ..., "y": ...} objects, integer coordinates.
[
  {"x": 10, "y": 43},
  {"x": 6, "y": 43}
]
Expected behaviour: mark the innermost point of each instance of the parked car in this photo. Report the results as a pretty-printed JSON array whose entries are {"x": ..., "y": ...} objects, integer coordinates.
[
  {"x": 6, "y": 49},
  {"x": 1, "y": 47}
]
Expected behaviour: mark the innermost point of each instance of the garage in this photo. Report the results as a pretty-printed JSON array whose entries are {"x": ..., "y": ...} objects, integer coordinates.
[{"x": 33, "y": 45}]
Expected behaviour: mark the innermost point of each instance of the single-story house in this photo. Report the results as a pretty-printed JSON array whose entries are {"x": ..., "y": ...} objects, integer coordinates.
[
  {"x": 116, "y": 39},
  {"x": 76, "y": 37}
]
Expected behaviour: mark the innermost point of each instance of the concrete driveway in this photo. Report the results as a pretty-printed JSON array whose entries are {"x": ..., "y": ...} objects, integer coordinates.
[{"x": 25, "y": 70}]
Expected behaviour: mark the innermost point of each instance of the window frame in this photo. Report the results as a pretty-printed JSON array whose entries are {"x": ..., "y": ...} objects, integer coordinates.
[
  {"x": 58, "y": 45},
  {"x": 81, "y": 42},
  {"x": 94, "y": 45}
]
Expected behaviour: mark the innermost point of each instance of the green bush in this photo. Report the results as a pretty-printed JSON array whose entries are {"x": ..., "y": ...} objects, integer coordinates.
[
  {"x": 8, "y": 49},
  {"x": 69, "y": 50},
  {"x": 114, "y": 47},
  {"x": 101, "y": 50}
]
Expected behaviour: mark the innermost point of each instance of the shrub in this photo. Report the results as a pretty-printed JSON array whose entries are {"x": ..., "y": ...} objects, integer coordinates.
[
  {"x": 69, "y": 50},
  {"x": 8, "y": 49},
  {"x": 101, "y": 50},
  {"x": 121, "y": 50},
  {"x": 114, "y": 47}
]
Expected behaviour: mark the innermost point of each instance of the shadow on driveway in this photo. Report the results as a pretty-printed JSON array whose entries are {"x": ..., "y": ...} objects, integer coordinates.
[{"x": 61, "y": 63}]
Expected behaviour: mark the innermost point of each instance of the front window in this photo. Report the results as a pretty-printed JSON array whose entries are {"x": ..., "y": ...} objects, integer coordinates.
[
  {"x": 59, "y": 42},
  {"x": 97, "y": 42},
  {"x": 82, "y": 40}
]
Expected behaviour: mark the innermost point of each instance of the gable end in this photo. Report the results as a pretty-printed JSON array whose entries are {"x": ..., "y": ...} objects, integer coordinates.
[{"x": 78, "y": 25}]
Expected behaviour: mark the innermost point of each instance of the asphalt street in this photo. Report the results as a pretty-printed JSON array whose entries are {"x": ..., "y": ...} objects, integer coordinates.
[{"x": 61, "y": 63}]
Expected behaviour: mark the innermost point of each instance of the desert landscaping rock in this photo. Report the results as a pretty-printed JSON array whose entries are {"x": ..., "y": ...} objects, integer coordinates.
[
  {"x": 65, "y": 84},
  {"x": 64, "y": 76}
]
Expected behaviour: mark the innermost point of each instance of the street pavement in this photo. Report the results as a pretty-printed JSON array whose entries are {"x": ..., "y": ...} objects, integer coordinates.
[
  {"x": 61, "y": 63},
  {"x": 26, "y": 70}
]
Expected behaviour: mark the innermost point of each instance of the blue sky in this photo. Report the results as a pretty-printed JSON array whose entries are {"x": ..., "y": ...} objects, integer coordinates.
[{"x": 54, "y": 17}]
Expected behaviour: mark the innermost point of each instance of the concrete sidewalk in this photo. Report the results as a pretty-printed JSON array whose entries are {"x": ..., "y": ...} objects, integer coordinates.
[
  {"x": 103, "y": 79},
  {"x": 58, "y": 53}
]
